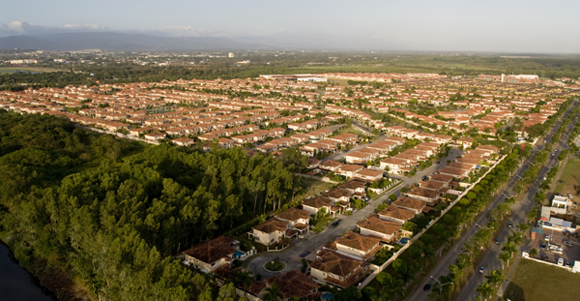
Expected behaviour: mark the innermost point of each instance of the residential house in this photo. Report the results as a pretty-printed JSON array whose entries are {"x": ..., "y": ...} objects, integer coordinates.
[
  {"x": 297, "y": 219},
  {"x": 415, "y": 205},
  {"x": 294, "y": 284},
  {"x": 396, "y": 214},
  {"x": 333, "y": 268},
  {"x": 316, "y": 204},
  {"x": 349, "y": 170},
  {"x": 211, "y": 254},
  {"x": 270, "y": 231},
  {"x": 357, "y": 246},
  {"x": 426, "y": 195},
  {"x": 386, "y": 230},
  {"x": 369, "y": 175},
  {"x": 182, "y": 141}
]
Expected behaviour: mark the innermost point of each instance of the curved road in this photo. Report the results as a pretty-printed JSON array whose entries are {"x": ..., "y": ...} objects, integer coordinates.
[{"x": 348, "y": 222}]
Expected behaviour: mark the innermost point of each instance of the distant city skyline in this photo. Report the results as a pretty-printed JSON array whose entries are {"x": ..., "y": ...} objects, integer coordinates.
[{"x": 493, "y": 26}]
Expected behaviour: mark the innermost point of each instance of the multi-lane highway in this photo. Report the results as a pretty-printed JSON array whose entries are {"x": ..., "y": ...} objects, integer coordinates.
[{"x": 490, "y": 258}]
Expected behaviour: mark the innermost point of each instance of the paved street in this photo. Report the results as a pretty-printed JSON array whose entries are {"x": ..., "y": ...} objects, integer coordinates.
[
  {"x": 348, "y": 222},
  {"x": 490, "y": 259}
]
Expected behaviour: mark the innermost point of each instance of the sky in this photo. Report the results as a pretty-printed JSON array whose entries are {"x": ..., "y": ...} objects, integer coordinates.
[{"x": 518, "y": 26}]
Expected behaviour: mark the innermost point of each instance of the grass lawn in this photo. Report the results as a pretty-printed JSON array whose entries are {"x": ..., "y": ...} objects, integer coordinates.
[
  {"x": 314, "y": 187},
  {"x": 31, "y": 69},
  {"x": 322, "y": 224},
  {"x": 537, "y": 281},
  {"x": 570, "y": 176},
  {"x": 350, "y": 129}
]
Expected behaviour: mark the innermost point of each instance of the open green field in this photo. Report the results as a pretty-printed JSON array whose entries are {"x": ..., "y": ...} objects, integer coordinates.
[
  {"x": 537, "y": 281},
  {"x": 351, "y": 130},
  {"x": 31, "y": 69},
  {"x": 314, "y": 187},
  {"x": 571, "y": 178}
]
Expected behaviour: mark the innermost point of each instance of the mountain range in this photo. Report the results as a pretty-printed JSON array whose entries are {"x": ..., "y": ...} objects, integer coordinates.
[{"x": 111, "y": 41}]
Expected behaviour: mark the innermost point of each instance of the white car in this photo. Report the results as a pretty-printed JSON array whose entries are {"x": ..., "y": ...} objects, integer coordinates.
[{"x": 560, "y": 261}]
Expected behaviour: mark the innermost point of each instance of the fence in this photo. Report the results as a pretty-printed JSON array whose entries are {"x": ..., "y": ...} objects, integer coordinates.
[{"x": 416, "y": 237}]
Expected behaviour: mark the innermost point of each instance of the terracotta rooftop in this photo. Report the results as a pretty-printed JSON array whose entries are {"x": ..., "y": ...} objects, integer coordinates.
[
  {"x": 358, "y": 241},
  {"x": 271, "y": 225},
  {"x": 369, "y": 172},
  {"x": 316, "y": 202},
  {"x": 410, "y": 203},
  {"x": 418, "y": 191},
  {"x": 352, "y": 185},
  {"x": 293, "y": 284},
  {"x": 350, "y": 167},
  {"x": 331, "y": 262},
  {"x": 397, "y": 213},
  {"x": 431, "y": 184},
  {"x": 293, "y": 214},
  {"x": 337, "y": 193},
  {"x": 212, "y": 250},
  {"x": 441, "y": 178},
  {"x": 331, "y": 163},
  {"x": 376, "y": 224}
]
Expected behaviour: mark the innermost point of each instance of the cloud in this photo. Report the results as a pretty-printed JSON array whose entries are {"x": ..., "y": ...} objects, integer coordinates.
[{"x": 24, "y": 28}]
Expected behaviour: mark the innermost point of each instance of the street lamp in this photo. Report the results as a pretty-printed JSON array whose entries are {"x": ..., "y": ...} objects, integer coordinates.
[{"x": 441, "y": 284}]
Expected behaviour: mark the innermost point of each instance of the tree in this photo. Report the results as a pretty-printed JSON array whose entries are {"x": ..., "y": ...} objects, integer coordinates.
[
  {"x": 505, "y": 258},
  {"x": 273, "y": 293},
  {"x": 485, "y": 290},
  {"x": 495, "y": 277},
  {"x": 350, "y": 293},
  {"x": 243, "y": 277},
  {"x": 533, "y": 252},
  {"x": 227, "y": 293}
]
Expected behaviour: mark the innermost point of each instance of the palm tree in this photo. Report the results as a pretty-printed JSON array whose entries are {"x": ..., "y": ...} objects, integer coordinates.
[
  {"x": 244, "y": 278},
  {"x": 523, "y": 227},
  {"x": 505, "y": 258},
  {"x": 273, "y": 293},
  {"x": 516, "y": 238},
  {"x": 485, "y": 290},
  {"x": 496, "y": 277}
]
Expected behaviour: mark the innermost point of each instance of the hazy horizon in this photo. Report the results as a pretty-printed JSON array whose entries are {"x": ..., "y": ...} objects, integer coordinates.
[{"x": 495, "y": 26}]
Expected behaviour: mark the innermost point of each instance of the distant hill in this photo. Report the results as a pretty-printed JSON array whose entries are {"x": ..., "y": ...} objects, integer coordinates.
[{"x": 111, "y": 41}]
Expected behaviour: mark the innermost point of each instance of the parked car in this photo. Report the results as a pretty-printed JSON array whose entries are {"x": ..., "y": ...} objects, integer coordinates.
[
  {"x": 547, "y": 238},
  {"x": 510, "y": 224},
  {"x": 335, "y": 223},
  {"x": 427, "y": 287},
  {"x": 304, "y": 254},
  {"x": 567, "y": 263},
  {"x": 570, "y": 196},
  {"x": 497, "y": 241},
  {"x": 568, "y": 243},
  {"x": 481, "y": 270},
  {"x": 543, "y": 247},
  {"x": 560, "y": 261}
]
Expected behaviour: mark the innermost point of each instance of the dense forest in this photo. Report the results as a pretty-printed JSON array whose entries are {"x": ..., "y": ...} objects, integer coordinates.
[{"x": 112, "y": 213}]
